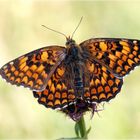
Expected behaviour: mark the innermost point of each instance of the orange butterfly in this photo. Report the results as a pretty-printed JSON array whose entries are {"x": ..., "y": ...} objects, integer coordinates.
[{"x": 76, "y": 77}]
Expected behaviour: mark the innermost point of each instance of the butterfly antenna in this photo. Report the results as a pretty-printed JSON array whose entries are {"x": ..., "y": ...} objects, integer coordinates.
[
  {"x": 77, "y": 27},
  {"x": 54, "y": 31}
]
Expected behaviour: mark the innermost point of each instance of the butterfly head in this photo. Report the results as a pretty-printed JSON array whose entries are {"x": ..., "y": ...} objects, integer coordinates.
[{"x": 70, "y": 42}]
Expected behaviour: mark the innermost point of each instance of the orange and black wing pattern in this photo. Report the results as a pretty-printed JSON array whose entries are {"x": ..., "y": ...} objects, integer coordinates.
[
  {"x": 58, "y": 93},
  {"x": 34, "y": 69},
  {"x": 119, "y": 56},
  {"x": 103, "y": 85}
]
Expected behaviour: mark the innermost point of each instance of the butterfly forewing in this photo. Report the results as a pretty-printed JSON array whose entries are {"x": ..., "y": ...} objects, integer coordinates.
[
  {"x": 34, "y": 69},
  {"x": 119, "y": 56}
]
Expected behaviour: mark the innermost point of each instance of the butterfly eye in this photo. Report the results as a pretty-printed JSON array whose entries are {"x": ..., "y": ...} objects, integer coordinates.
[{"x": 67, "y": 43}]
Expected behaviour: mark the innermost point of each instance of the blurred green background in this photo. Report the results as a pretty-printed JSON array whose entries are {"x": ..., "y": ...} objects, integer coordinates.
[{"x": 21, "y": 117}]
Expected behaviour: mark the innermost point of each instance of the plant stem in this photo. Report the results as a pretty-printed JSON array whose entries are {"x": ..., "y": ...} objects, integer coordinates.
[{"x": 80, "y": 129}]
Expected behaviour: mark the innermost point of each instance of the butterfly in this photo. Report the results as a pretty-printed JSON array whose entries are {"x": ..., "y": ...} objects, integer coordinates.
[{"x": 76, "y": 77}]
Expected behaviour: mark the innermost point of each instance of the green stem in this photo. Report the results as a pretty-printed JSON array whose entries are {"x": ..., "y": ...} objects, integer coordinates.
[{"x": 80, "y": 129}]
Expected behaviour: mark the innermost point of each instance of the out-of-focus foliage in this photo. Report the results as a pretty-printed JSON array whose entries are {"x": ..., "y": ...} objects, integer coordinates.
[{"x": 21, "y": 117}]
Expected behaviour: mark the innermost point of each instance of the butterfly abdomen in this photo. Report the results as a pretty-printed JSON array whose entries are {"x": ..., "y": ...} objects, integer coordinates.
[{"x": 78, "y": 81}]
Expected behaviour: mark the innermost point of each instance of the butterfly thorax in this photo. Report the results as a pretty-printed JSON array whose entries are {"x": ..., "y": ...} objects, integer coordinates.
[{"x": 73, "y": 51}]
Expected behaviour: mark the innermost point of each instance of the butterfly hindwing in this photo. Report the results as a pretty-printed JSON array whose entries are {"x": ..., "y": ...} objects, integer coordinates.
[
  {"x": 32, "y": 70},
  {"x": 119, "y": 56},
  {"x": 57, "y": 94},
  {"x": 103, "y": 85}
]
